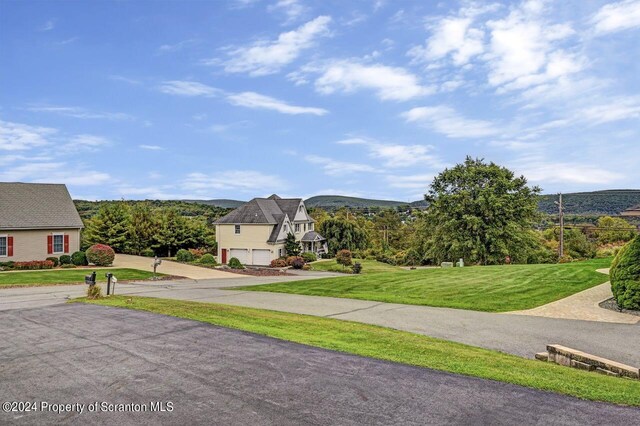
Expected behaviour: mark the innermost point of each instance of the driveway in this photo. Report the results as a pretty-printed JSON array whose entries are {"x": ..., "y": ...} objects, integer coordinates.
[
  {"x": 85, "y": 354},
  {"x": 171, "y": 268}
]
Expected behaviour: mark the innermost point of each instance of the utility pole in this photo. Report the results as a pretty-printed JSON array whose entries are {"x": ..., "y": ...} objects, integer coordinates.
[{"x": 561, "y": 215}]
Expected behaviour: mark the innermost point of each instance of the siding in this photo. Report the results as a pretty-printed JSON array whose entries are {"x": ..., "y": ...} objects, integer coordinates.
[
  {"x": 250, "y": 237},
  {"x": 32, "y": 244}
]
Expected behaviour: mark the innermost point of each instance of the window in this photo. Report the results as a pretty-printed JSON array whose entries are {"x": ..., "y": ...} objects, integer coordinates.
[
  {"x": 58, "y": 243},
  {"x": 297, "y": 227},
  {"x": 311, "y": 226},
  {"x": 286, "y": 229},
  {"x": 305, "y": 227},
  {"x": 3, "y": 246},
  {"x": 280, "y": 252},
  {"x": 237, "y": 229}
]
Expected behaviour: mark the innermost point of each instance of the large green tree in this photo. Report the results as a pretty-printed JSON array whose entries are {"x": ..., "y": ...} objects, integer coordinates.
[
  {"x": 109, "y": 226},
  {"x": 143, "y": 226},
  {"x": 480, "y": 212},
  {"x": 342, "y": 234}
]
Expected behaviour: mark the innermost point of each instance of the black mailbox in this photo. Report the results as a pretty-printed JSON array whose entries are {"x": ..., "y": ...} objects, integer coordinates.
[{"x": 90, "y": 279}]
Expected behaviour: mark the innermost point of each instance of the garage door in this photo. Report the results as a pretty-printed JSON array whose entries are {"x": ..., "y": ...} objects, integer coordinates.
[
  {"x": 241, "y": 254},
  {"x": 261, "y": 257}
]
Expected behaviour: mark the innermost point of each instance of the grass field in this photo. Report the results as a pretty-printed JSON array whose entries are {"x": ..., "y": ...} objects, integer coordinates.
[
  {"x": 368, "y": 266},
  {"x": 67, "y": 276},
  {"x": 480, "y": 288},
  {"x": 393, "y": 345}
]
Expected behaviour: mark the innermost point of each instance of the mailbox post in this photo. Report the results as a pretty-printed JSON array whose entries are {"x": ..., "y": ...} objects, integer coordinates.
[
  {"x": 109, "y": 276},
  {"x": 156, "y": 262}
]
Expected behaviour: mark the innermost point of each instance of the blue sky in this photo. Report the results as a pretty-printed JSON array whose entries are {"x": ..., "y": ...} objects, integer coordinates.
[{"x": 243, "y": 98}]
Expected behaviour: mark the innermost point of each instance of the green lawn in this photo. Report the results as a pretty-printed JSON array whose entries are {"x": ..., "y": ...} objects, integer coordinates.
[
  {"x": 393, "y": 345},
  {"x": 480, "y": 288},
  {"x": 67, "y": 276},
  {"x": 368, "y": 266}
]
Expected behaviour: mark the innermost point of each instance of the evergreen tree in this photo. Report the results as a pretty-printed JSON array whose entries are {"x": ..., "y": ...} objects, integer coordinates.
[
  {"x": 291, "y": 246},
  {"x": 173, "y": 231},
  {"x": 109, "y": 226},
  {"x": 142, "y": 227}
]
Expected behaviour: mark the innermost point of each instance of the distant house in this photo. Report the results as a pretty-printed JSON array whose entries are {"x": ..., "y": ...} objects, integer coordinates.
[
  {"x": 255, "y": 232},
  {"x": 37, "y": 221},
  {"x": 631, "y": 212}
]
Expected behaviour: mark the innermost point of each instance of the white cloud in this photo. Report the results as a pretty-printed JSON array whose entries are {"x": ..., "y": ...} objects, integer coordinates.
[
  {"x": 337, "y": 168},
  {"x": 78, "y": 112},
  {"x": 87, "y": 142},
  {"x": 244, "y": 180},
  {"x": 446, "y": 120},
  {"x": 389, "y": 83},
  {"x": 258, "y": 101},
  {"x": 188, "y": 88},
  {"x": 151, "y": 147},
  {"x": 420, "y": 181},
  {"x": 19, "y": 137},
  {"x": 268, "y": 57},
  {"x": 620, "y": 108},
  {"x": 55, "y": 172},
  {"x": 48, "y": 26},
  {"x": 615, "y": 17},
  {"x": 292, "y": 9},
  {"x": 395, "y": 155},
  {"x": 568, "y": 173},
  {"x": 167, "y": 48},
  {"x": 453, "y": 36}
]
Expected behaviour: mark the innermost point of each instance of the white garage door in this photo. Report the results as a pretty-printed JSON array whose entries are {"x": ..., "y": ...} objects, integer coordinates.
[
  {"x": 261, "y": 257},
  {"x": 241, "y": 254}
]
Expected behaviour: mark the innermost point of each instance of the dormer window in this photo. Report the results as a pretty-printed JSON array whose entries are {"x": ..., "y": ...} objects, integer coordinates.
[{"x": 301, "y": 208}]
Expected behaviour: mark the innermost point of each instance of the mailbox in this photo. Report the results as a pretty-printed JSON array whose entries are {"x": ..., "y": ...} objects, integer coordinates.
[{"x": 90, "y": 279}]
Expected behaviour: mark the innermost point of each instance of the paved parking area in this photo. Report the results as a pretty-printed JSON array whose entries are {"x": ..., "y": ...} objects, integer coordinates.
[{"x": 84, "y": 354}]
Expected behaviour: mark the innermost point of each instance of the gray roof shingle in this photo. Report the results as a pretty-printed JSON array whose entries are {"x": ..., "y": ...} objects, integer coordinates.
[{"x": 37, "y": 206}]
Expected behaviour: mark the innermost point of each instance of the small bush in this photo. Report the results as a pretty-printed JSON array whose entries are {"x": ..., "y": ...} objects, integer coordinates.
[
  {"x": 94, "y": 292},
  {"x": 234, "y": 263},
  {"x": 343, "y": 257},
  {"x": 68, "y": 266},
  {"x": 197, "y": 253},
  {"x": 278, "y": 263},
  {"x": 79, "y": 259},
  {"x": 297, "y": 263},
  {"x": 184, "y": 256},
  {"x": 100, "y": 255},
  {"x": 65, "y": 259},
  {"x": 325, "y": 256},
  {"x": 356, "y": 268},
  {"x": 7, "y": 266},
  {"x": 625, "y": 275},
  {"x": 148, "y": 252},
  {"x": 309, "y": 256},
  {"x": 208, "y": 259},
  {"x": 55, "y": 261},
  {"x": 292, "y": 259},
  {"x": 33, "y": 265},
  {"x": 306, "y": 267}
]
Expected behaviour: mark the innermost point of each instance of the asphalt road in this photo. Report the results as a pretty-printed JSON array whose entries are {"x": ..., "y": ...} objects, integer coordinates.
[{"x": 83, "y": 354}]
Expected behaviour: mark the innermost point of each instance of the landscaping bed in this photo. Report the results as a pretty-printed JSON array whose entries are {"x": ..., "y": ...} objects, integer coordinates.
[
  {"x": 258, "y": 272},
  {"x": 612, "y": 305}
]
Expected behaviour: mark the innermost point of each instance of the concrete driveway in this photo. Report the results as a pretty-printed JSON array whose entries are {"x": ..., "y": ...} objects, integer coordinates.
[
  {"x": 82, "y": 354},
  {"x": 171, "y": 268}
]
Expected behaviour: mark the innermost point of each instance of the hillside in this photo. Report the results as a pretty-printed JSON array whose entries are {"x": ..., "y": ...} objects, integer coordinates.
[
  {"x": 609, "y": 202},
  {"x": 222, "y": 203},
  {"x": 332, "y": 202}
]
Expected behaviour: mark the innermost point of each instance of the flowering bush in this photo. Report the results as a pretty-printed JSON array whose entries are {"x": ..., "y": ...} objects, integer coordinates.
[
  {"x": 343, "y": 257},
  {"x": 197, "y": 253},
  {"x": 297, "y": 263},
  {"x": 292, "y": 259},
  {"x": 32, "y": 265},
  {"x": 278, "y": 263},
  {"x": 100, "y": 255}
]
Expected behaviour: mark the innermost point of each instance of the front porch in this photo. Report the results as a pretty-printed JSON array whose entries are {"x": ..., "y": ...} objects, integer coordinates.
[{"x": 314, "y": 242}]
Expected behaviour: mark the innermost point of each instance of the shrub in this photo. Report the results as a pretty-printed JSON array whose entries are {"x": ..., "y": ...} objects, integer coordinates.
[
  {"x": 100, "y": 255},
  {"x": 68, "y": 266},
  {"x": 7, "y": 266},
  {"x": 65, "y": 259},
  {"x": 278, "y": 263},
  {"x": 94, "y": 292},
  {"x": 292, "y": 259},
  {"x": 625, "y": 275},
  {"x": 325, "y": 256},
  {"x": 297, "y": 263},
  {"x": 343, "y": 257},
  {"x": 356, "y": 268},
  {"x": 197, "y": 253},
  {"x": 306, "y": 267},
  {"x": 208, "y": 259},
  {"x": 148, "y": 252},
  {"x": 79, "y": 259},
  {"x": 309, "y": 256},
  {"x": 234, "y": 263},
  {"x": 33, "y": 265},
  {"x": 184, "y": 256},
  {"x": 55, "y": 261}
]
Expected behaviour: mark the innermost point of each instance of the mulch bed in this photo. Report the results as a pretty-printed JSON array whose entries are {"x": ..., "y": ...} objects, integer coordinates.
[
  {"x": 258, "y": 272},
  {"x": 612, "y": 305}
]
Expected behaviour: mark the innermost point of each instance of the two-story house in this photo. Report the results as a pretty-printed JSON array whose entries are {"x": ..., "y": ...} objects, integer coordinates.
[{"x": 255, "y": 232}]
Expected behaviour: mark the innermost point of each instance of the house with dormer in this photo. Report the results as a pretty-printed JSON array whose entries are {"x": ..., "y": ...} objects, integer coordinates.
[{"x": 255, "y": 232}]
